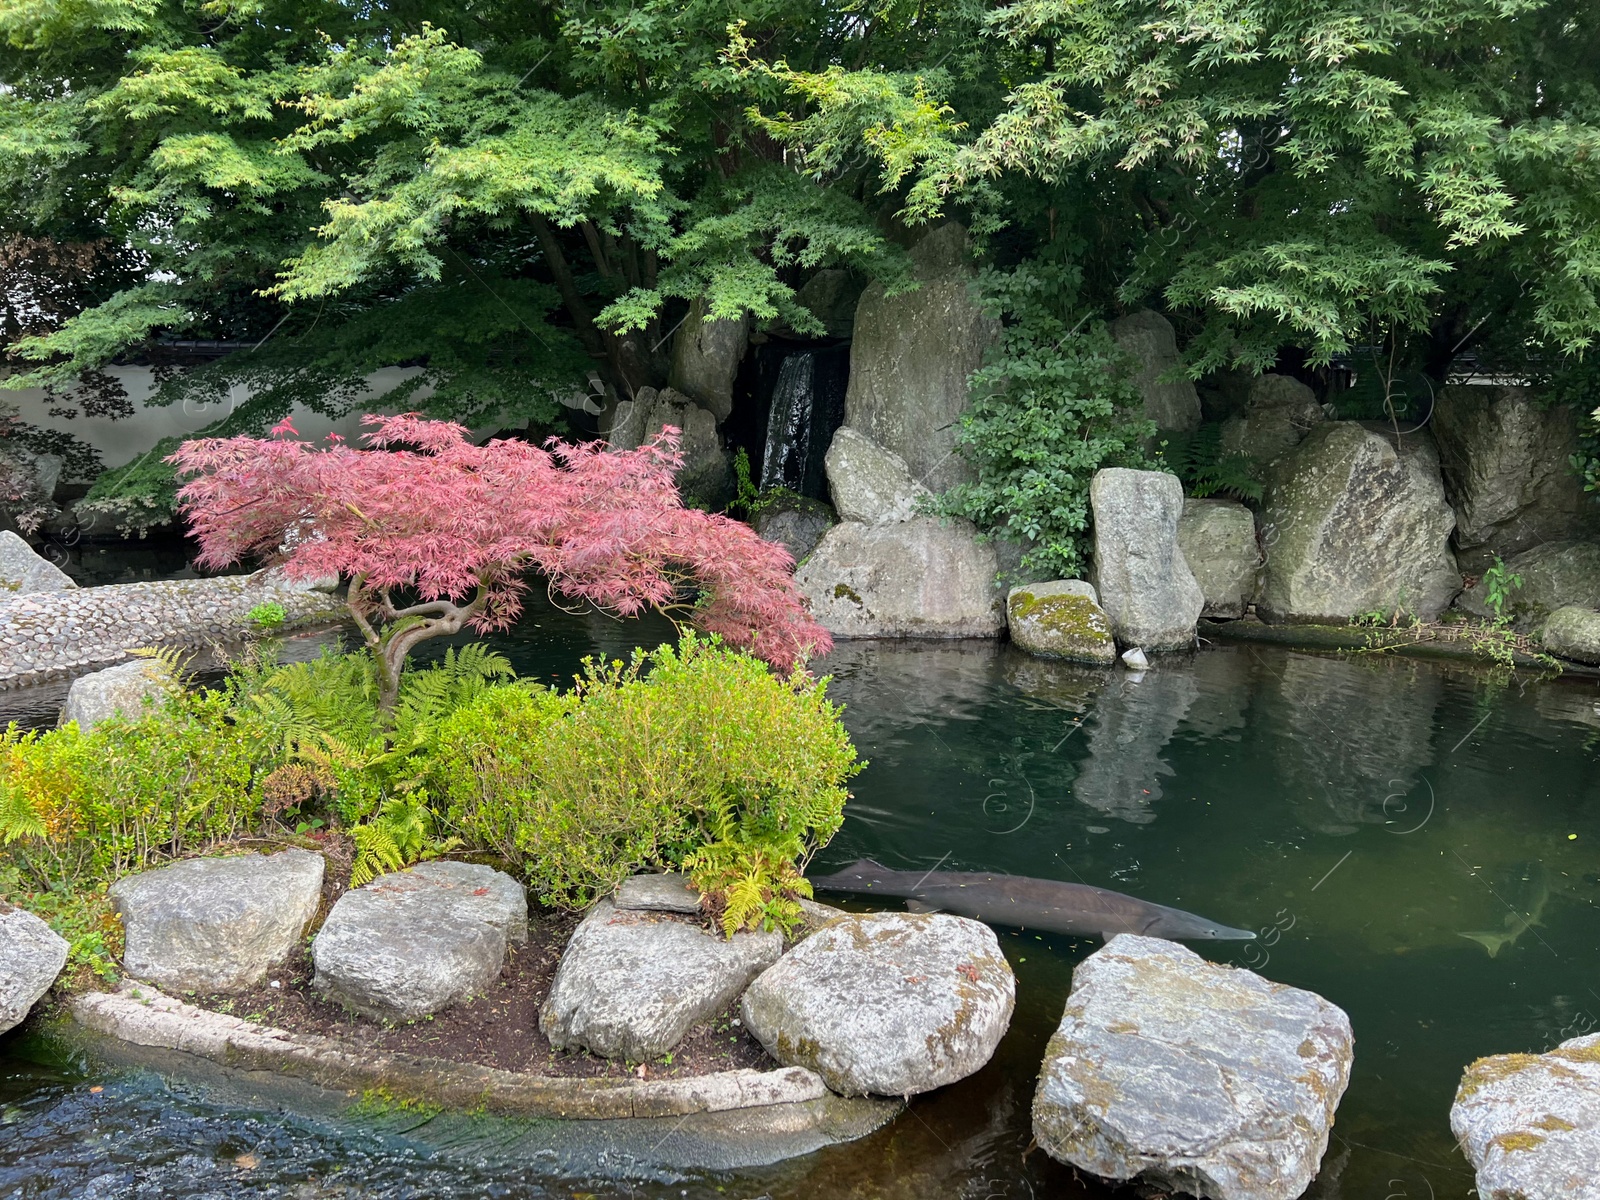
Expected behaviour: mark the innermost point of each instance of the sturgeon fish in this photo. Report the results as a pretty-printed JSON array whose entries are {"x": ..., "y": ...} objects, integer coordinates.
[{"x": 1023, "y": 902}]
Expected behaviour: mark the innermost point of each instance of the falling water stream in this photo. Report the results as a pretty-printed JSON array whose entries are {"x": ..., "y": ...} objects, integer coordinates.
[{"x": 1419, "y": 843}]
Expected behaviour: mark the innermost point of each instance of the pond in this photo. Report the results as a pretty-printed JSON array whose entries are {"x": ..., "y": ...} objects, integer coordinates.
[{"x": 1418, "y": 843}]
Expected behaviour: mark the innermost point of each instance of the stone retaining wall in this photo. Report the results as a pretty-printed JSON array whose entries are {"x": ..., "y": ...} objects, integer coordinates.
[{"x": 48, "y": 634}]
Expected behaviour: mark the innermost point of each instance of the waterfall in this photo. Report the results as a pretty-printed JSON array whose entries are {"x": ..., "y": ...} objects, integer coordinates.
[{"x": 784, "y": 460}]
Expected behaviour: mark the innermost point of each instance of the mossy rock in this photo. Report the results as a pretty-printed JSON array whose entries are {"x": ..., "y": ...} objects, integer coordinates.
[{"x": 1061, "y": 620}]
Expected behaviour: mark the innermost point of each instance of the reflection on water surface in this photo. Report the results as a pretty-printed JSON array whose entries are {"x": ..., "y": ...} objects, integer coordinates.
[{"x": 1415, "y": 842}]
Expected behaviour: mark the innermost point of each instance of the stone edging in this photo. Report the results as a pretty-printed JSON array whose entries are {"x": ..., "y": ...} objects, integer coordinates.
[
  {"x": 1314, "y": 638},
  {"x": 45, "y": 635},
  {"x": 141, "y": 1015}
]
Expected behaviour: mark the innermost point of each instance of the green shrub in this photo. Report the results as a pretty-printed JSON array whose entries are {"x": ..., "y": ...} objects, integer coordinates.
[{"x": 651, "y": 764}]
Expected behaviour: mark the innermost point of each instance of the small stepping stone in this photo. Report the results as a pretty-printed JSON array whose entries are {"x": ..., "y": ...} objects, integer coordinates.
[
  {"x": 217, "y": 924},
  {"x": 887, "y": 1004},
  {"x": 129, "y": 691},
  {"x": 416, "y": 941},
  {"x": 659, "y": 893},
  {"x": 631, "y": 984},
  {"x": 31, "y": 956}
]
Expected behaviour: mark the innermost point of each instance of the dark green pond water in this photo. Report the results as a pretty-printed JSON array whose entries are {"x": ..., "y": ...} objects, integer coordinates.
[{"x": 1418, "y": 843}]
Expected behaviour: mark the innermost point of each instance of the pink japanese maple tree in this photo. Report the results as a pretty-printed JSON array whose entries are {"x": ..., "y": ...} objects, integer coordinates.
[{"x": 434, "y": 534}]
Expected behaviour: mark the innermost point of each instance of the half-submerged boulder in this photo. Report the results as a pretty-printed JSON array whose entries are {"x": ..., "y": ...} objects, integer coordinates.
[
  {"x": 918, "y": 578},
  {"x": 22, "y": 571},
  {"x": 1191, "y": 1077},
  {"x": 633, "y": 982},
  {"x": 416, "y": 941},
  {"x": 1144, "y": 581},
  {"x": 1530, "y": 1123},
  {"x": 1148, "y": 338},
  {"x": 130, "y": 691},
  {"x": 1061, "y": 620},
  {"x": 1354, "y": 525},
  {"x": 1573, "y": 632},
  {"x": 31, "y": 956},
  {"x": 1218, "y": 540},
  {"x": 1554, "y": 576},
  {"x": 887, "y": 1004},
  {"x": 217, "y": 924}
]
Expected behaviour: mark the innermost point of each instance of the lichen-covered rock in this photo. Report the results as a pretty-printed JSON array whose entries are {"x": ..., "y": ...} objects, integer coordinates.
[
  {"x": 1573, "y": 632},
  {"x": 1145, "y": 584},
  {"x": 887, "y": 1004},
  {"x": 411, "y": 943},
  {"x": 707, "y": 471},
  {"x": 1506, "y": 460},
  {"x": 1278, "y": 415},
  {"x": 129, "y": 691},
  {"x": 868, "y": 483},
  {"x": 1060, "y": 619},
  {"x": 1191, "y": 1077},
  {"x": 911, "y": 356},
  {"x": 22, "y": 571},
  {"x": 1148, "y": 337},
  {"x": 705, "y": 358},
  {"x": 1555, "y": 575},
  {"x": 1530, "y": 1123},
  {"x": 1218, "y": 540},
  {"x": 217, "y": 924},
  {"x": 1353, "y": 525},
  {"x": 31, "y": 956},
  {"x": 796, "y": 523},
  {"x": 632, "y": 983},
  {"x": 919, "y": 578}
]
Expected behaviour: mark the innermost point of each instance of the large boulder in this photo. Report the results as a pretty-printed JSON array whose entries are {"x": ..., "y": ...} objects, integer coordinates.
[
  {"x": 706, "y": 475},
  {"x": 920, "y": 578},
  {"x": 1352, "y": 525},
  {"x": 831, "y": 296},
  {"x": 1507, "y": 472},
  {"x": 1573, "y": 632},
  {"x": 128, "y": 691},
  {"x": 21, "y": 570},
  {"x": 870, "y": 484},
  {"x": 796, "y": 523},
  {"x": 1144, "y": 581},
  {"x": 1148, "y": 338},
  {"x": 217, "y": 924},
  {"x": 1061, "y": 620},
  {"x": 411, "y": 943},
  {"x": 911, "y": 356},
  {"x": 887, "y": 1004},
  {"x": 633, "y": 982},
  {"x": 705, "y": 358},
  {"x": 1218, "y": 540},
  {"x": 1530, "y": 1123},
  {"x": 1555, "y": 575},
  {"x": 1189, "y": 1076},
  {"x": 1278, "y": 415},
  {"x": 31, "y": 956}
]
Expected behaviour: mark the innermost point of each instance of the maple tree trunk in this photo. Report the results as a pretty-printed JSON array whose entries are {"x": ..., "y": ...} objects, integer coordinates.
[{"x": 390, "y": 648}]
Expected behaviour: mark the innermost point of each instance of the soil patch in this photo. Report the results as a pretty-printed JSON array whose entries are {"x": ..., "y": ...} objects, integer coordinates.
[{"x": 499, "y": 1029}]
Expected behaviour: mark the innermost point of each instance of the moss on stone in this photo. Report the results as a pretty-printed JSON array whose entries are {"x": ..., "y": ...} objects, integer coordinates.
[{"x": 843, "y": 591}]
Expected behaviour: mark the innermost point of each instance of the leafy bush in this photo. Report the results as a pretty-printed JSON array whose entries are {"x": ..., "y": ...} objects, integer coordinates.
[
  {"x": 1205, "y": 469},
  {"x": 692, "y": 758},
  {"x": 1052, "y": 404}
]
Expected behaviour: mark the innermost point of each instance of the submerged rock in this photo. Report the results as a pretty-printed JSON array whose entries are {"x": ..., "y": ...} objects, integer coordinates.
[
  {"x": 217, "y": 924},
  {"x": 887, "y": 1004},
  {"x": 631, "y": 984},
  {"x": 416, "y": 941},
  {"x": 1530, "y": 1123},
  {"x": 1189, "y": 1076},
  {"x": 1145, "y": 583},
  {"x": 1148, "y": 337},
  {"x": 23, "y": 571},
  {"x": 870, "y": 484},
  {"x": 919, "y": 578},
  {"x": 911, "y": 356},
  {"x": 706, "y": 356},
  {"x": 1218, "y": 540},
  {"x": 128, "y": 691},
  {"x": 1555, "y": 575},
  {"x": 1573, "y": 632},
  {"x": 1352, "y": 525},
  {"x": 31, "y": 956},
  {"x": 1061, "y": 620}
]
